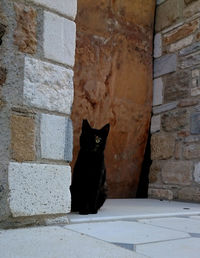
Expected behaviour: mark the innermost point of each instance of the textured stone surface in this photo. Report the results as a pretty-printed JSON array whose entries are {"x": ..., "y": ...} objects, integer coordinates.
[
  {"x": 52, "y": 135},
  {"x": 22, "y": 138},
  {"x": 190, "y": 60},
  {"x": 187, "y": 102},
  {"x": 164, "y": 65},
  {"x": 155, "y": 172},
  {"x": 113, "y": 83},
  {"x": 155, "y": 124},
  {"x": 174, "y": 121},
  {"x": 191, "y": 151},
  {"x": 65, "y": 7},
  {"x": 195, "y": 91},
  {"x": 47, "y": 86},
  {"x": 177, "y": 172},
  {"x": 189, "y": 194},
  {"x": 157, "y": 45},
  {"x": 197, "y": 172},
  {"x": 165, "y": 107},
  {"x": 3, "y": 73},
  {"x": 189, "y": 50},
  {"x": 68, "y": 155},
  {"x": 177, "y": 86},
  {"x": 168, "y": 13},
  {"x": 181, "y": 43},
  {"x": 59, "y": 39},
  {"x": 157, "y": 91},
  {"x": 37, "y": 189},
  {"x": 191, "y": 9},
  {"x": 160, "y": 194},
  {"x": 189, "y": 1},
  {"x": 25, "y": 32},
  {"x": 180, "y": 32},
  {"x": 162, "y": 146},
  {"x": 195, "y": 123}
]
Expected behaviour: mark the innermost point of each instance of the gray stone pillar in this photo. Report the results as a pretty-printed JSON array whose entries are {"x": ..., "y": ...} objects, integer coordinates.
[{"x": 36, "y": 93}]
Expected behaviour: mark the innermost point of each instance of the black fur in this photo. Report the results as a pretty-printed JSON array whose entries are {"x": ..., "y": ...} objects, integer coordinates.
[{"x": 88, "y": 187}]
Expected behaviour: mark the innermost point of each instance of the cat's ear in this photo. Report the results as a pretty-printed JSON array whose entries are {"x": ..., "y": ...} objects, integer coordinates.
[
  {"x": 106, "y": 129},
  {"x": 85, "y": 125}
]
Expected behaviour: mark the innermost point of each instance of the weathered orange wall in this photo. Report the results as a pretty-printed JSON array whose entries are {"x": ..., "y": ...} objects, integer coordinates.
[{"x": 113, "y": 83}]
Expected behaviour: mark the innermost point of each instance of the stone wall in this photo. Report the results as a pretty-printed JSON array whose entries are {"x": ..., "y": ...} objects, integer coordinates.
[
  {"x": 37, "y": 49},
  {"x": 175, "y": 127}
]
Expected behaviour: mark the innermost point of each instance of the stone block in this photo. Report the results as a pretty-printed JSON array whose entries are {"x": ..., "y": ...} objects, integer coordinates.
[
  {"x": 187, "y": 102},
  {"x": 155, "y": 172},
  {"x": 191, "y": 151},
  {"x": 177, "y": 172},
  {"x": 25, "y": 33},
  {"x": 3, "y": 74},
  {"x": 197, "y": 173},
  {"x": 190, "y": 60},
  {"x": 181, "y": 32},
  {"x": 157, "y": 45},
  {"x": 195, "y": 91},
  {"x": 165, "y": 107},
  {"x": 162, "y": 146},
  {"x": 38, "y": 189},
  {"x": 47, "y": 86},
  {"x": 191, "y": 49},
  {"x": 189, "y": 1},
  {"x": 176, "y": 86},
  {"x": 56, "y": 137},
  {"x": 168, "y": 13},
  {"x": 68, "y": 154},
  {"x": 65, "y": 7},
  {"x": 157, "y": 92},
  {"x": 195, "y": 123},
  {"x": 174, "y": 121},
  {"x": 190, "y": 193},
  {"x": 191, "y": 9},
  {"x": 22, "y": 138},
  {"x": 155, "y": 124},
  {"x": 181, "y": 44},
  {"x": 165, "y": 64},
  {"x": 59, "y": 39},
  {"x": 160, "y": 194}
]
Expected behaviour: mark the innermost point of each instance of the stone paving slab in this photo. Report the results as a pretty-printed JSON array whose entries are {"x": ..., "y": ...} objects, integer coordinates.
[
  {"x": 181, "y": 224},
  {"x": 127, "y": 232},
  {"x": 118, "y": 209},
  {"x": 56, "y": 242},
  {"x": 183, "y": 248}
]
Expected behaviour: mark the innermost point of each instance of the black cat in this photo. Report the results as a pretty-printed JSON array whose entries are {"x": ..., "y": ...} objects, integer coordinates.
[{"x": 88, "y": 189}]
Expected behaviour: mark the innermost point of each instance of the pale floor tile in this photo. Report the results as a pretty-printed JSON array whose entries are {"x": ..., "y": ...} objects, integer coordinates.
[
  {"x": 115, "y": 209},
  {"x": 182, "y": 248},
  {"x": 56, "y": 242},
  {"x": 126, "y": 232},
  {"x": 195, "y": 217},
  {"x": 180, "y": 224}
]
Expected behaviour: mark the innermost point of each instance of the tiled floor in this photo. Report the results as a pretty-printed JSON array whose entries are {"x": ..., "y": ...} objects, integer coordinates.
[
  {"x": 157, "y": 229},
  {"x": 122, "y": 229}
]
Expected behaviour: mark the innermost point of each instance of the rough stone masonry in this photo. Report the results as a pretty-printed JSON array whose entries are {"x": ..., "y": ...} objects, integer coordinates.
[
  {"x": 37, "y": 48},
  {"x": 175, "y": 125}
]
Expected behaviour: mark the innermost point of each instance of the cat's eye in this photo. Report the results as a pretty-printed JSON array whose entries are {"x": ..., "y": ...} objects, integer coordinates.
[{"x": 97, "y": 139}]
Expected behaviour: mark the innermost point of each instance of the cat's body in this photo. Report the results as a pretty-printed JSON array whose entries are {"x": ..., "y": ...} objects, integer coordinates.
[{"x": 88, "y": 187}]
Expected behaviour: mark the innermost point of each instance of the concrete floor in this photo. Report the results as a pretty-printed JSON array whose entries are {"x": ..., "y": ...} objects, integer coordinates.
[{"x": 122, "y": 228}]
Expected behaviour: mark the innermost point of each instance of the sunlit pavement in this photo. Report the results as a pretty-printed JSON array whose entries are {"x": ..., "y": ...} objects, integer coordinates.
[{"x": 122, "y": 228}]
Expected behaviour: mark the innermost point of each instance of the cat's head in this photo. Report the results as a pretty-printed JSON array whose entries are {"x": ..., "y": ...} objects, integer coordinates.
[{"x": 93, "y": 140}]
